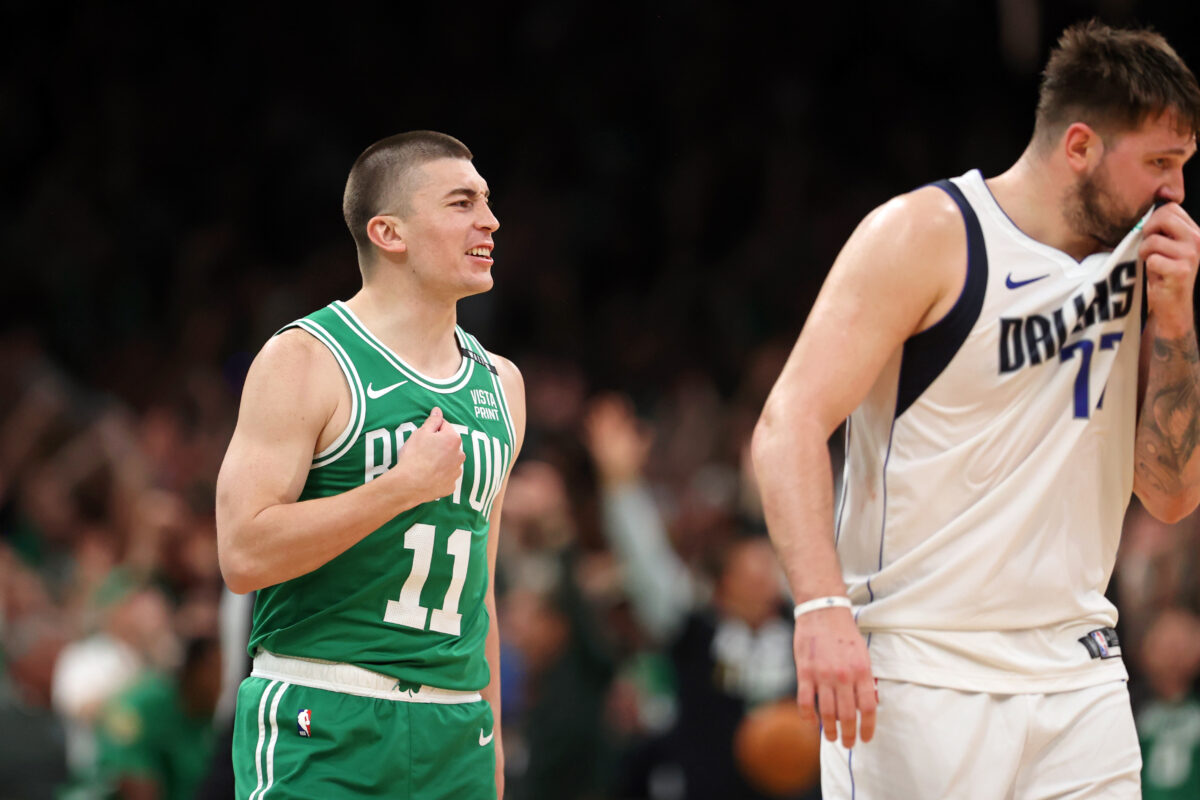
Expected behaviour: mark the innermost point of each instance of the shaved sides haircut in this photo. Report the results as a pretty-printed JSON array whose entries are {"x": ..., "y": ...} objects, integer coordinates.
[
  {"x": 381, "y": 179},
  {"x": 1113, "y": 80}
]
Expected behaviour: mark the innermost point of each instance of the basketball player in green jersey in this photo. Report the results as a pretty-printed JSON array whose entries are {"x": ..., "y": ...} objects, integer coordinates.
[{"x": 360, "y": 496}]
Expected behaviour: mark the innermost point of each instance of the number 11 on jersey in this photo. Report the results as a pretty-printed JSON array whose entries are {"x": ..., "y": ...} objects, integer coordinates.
[{"x": 408, "y": 611}]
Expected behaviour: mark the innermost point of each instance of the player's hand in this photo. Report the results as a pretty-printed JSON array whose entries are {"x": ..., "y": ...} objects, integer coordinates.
[
  {"x": 430, "y": 462},
  {"x": 1171, "y": 252},
  {"x": 833, "y": 675}
]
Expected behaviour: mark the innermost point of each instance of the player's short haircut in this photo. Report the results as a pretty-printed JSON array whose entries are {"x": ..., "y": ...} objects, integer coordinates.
[
  {"x": 381, "y": 179},
  {"x": 1113, "y": 80}
]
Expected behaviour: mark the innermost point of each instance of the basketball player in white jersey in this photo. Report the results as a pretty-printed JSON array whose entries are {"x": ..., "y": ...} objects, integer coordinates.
[{"x": 986, "y": 340}]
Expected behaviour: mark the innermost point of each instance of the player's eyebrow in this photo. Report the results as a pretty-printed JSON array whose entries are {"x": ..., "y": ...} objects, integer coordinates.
[{"x": 470, "y": 194}]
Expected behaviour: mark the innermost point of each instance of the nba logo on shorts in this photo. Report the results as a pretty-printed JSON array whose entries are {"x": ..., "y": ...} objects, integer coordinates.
[
  {"x": 304, "y": 723},
  {"x": 1101, "y": 644}
]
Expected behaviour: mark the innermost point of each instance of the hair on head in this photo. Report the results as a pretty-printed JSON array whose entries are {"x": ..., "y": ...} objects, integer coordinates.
[
  {"x": 380, "y": 179},
  {"x": 1113, "y": 79}
]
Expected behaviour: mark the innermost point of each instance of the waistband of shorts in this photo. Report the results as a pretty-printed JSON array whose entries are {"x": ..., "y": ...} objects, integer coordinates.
[{"x": 350, "y": 679}]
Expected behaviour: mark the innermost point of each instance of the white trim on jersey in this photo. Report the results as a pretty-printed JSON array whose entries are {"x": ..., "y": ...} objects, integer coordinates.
[
  {"x": 503, "y": 460},
  {"x": 358, "y": 406},
  {"x": 441, "y": 386}
]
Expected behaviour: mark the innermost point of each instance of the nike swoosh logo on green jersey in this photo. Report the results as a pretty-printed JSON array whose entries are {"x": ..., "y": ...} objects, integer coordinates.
[
  {"x": 484, "y": 740},
  {"x": 375, "y": 394}
]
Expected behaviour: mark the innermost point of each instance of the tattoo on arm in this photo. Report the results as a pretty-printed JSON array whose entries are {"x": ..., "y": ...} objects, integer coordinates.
[{"x": 1169, "y": 428}]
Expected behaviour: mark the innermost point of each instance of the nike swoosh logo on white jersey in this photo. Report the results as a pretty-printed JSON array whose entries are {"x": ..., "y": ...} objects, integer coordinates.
[
  {"x": 485, "y": 740},
  {"x": 1011, "y": 284},
  {"x": 375, "y": 394}
]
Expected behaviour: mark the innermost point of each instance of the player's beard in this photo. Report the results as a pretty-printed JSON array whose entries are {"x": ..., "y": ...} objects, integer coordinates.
[{"x": 1093, "y": 210}]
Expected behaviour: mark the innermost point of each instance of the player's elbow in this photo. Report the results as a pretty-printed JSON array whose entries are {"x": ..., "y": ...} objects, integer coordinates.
[
  {"x": 1167, "y": 504},
  {"x": 762, "y": 437},
  {"x": 239, "y": 581},
  {"x": 769, "y": 435},
  {"x": 235, "y": 563},
  {"x": 1171, "y": 509},
  {"x": 789, "y": 429},
  {"x": 238, "y": 584}
]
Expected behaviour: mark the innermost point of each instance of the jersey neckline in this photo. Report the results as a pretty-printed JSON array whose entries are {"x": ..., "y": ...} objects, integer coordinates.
[
  {"x": 1070, "y": 264},
  {"x": 441, "y": 385}
]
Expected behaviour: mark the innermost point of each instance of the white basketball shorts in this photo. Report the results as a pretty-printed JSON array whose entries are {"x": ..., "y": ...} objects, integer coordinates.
[{"x": 943, "y": 744}]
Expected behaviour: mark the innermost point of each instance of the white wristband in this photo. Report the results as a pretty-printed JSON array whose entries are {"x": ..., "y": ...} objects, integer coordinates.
[{"x": 818, "y": 603}]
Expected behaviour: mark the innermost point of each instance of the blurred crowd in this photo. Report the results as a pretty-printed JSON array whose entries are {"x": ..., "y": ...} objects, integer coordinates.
[
  {"x": 642, "y": 612},
  {"x": 641, "y": 608},
  {"x": 667, "y": 218}
]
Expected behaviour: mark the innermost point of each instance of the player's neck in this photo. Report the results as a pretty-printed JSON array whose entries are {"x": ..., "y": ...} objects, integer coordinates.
[
  {"x": 1034, "y": 193},
  {"x": 417, "y": 329}
]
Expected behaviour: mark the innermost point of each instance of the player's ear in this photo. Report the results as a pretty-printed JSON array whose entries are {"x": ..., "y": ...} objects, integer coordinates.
[
  {"x": 386, "y": 232},
  {"x": 1082, "y": 146}
]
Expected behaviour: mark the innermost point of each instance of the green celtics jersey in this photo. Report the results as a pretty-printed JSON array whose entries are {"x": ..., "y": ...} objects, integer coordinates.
[{"x": 407, "y": 600}]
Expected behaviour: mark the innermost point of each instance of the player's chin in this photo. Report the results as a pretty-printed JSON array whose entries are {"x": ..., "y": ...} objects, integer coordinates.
[{"x": 478, "y": 284}]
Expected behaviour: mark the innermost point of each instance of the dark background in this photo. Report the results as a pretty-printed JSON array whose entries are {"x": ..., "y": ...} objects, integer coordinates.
[
  {"x": 673, "y": 178},
  {"x": 673, "y": 181}
]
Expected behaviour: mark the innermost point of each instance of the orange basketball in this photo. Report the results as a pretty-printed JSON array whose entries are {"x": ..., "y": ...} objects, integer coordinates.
[{"x": 777, "y": 751}]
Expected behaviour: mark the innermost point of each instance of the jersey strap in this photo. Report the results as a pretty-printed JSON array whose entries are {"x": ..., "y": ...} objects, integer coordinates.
[
  {"x": 481, "y": 355},
  {"x": 358, "y": 406},
  {"x": 929, "y": 352}
]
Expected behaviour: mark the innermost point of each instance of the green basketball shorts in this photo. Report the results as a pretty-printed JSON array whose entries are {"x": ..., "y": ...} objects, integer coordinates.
[{"x": 306, "y": 730}]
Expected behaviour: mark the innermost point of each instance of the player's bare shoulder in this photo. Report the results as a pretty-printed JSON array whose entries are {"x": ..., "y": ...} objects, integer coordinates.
[
  {"x": 923, "y": 218},
  {"x": 295, "y": 362},
  {"x": 296, "y": 374},
  {"x": 917, "y": 239},
  {"x": 915, "y": 228}
]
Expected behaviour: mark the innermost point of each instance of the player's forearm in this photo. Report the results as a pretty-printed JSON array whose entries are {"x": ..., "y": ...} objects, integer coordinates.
[
  {"x": 791, "y": 462},
  {"x": 491, "y": 693},
  {"x": 1167, "y": 469},
  {"x": 287, "y": 540}
]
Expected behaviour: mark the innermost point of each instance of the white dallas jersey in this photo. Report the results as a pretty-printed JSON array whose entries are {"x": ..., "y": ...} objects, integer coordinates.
[{"x": 989, "y": 467}]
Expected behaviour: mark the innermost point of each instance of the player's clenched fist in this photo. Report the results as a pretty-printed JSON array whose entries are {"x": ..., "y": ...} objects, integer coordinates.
[
  {"x": 1171, "y": 251},
  {"x": 430, "y": 462},
  {"x": 833, "y": 675}
]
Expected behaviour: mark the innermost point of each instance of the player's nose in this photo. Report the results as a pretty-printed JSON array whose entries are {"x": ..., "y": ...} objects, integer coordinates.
[
  {"x": 488, "y": 221},
  {"x": 1172, "y": 189}
]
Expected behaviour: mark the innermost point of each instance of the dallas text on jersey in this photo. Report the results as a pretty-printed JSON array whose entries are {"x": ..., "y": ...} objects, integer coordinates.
[{"x": 1038, "y": 337}]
